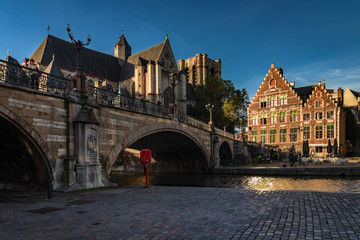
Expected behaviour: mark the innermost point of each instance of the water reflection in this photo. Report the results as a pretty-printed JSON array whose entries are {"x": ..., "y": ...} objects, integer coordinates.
[{"x": 328, "y": 184}]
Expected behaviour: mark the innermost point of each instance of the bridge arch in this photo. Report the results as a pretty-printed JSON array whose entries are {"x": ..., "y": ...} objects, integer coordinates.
[
  {"x": 131, "y": 137},
  {"x": 25, "y": 160},
  {"x": 225, "y": 154}
]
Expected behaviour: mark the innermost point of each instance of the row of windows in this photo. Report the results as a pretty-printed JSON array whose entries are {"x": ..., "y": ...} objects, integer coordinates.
[
  {"x": 276, "y": 100},
  {"x": 318, "y": 115},
  {"x": 293, "y": 132},
  {"x": 273, "y": 101},
  {"x": 292, "y": 117}
]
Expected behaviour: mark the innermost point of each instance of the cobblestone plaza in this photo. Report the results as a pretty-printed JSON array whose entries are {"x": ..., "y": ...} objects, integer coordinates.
[{"x": 162, "y": 212}]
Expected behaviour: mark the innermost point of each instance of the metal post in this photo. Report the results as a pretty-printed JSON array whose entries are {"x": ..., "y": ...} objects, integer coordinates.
[
  {"x": 147, "y": 175},
  {"x": 50, "y": 191}
]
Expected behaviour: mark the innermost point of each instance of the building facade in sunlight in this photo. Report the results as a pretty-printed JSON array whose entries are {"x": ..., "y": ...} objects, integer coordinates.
[{"x": 284, "y": 115}]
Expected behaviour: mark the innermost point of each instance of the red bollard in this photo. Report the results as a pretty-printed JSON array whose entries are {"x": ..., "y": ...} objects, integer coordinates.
[{"x": 145, "y": 157}]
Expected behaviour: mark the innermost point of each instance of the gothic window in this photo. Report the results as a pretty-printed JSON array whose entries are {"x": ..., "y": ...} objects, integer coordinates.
[
  {"x": 212, "y": 71},
  {"x": 318, "y": 132},
  {"x": 306, "y": 131},
  {"x": 330, "y": 131},
  {"x": 168, "y": 96},
  {"x": 133, "y": 89},
  {"x": 91, "y": 86}
]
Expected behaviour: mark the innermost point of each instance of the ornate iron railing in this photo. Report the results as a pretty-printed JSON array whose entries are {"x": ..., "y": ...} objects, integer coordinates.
[
  {"x": 17, "y": 75},
  {"x": 26, "y": 77}
]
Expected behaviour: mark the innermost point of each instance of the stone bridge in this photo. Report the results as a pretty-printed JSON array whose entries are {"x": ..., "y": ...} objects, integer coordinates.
[{"x": 51, "y": 135}]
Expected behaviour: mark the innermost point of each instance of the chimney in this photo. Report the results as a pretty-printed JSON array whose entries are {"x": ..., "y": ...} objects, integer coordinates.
[{"x": 340, "y": 96}]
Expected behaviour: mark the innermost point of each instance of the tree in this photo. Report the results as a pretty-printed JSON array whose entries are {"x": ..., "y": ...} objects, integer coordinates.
[{"x": 230, "y": 104}]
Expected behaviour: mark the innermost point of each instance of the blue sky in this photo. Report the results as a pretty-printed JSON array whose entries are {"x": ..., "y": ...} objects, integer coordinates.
[{"x": 311, "y": 40}]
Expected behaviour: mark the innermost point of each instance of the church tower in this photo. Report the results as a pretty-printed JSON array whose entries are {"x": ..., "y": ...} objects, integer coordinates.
[{"x": 122, "y": 49}]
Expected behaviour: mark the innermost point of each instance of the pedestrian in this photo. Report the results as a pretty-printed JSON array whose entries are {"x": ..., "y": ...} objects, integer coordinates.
[
  {"x": 25, "y": 63},
  {"x": 33, "y": 74}
]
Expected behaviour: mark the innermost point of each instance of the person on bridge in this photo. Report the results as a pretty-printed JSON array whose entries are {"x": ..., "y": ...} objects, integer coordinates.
[{"x": 34, "y": 74}]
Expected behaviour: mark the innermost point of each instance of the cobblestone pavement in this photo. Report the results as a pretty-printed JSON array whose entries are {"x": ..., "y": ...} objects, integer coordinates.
[{"x": 161, "y": 212}]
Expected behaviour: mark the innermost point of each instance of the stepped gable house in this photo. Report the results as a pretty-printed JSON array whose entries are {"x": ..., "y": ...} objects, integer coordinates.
[{"x": 283, "y": 115}]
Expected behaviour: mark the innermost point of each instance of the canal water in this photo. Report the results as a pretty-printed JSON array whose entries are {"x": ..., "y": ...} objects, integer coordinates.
[{"x": 306, "y": 183}]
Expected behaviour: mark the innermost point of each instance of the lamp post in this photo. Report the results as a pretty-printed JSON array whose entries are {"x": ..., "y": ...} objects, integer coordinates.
[
  {"x": 173, "y": 82},
  {"x": 79, "y": 45},
  {"x": 210, "y": 108}
]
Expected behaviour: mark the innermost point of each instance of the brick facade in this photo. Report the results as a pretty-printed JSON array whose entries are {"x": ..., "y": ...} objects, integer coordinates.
[{"x": 282, "y": 115}]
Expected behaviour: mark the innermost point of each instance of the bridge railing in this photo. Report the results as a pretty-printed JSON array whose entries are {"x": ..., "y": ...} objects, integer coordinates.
[
  {"x": 26, "y": 77},
  {"x": 17, "y": 75}
]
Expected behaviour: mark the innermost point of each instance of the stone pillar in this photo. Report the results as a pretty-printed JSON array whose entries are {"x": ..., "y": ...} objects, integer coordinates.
[
  {"x": 88, "y": 168},
  {"x": 216, "y": 149}
]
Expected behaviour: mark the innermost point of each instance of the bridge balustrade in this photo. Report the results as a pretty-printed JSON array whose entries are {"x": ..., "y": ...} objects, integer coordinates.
[
  {"x": 26, "y": 77},
  {"x": 22, "y": 76}
]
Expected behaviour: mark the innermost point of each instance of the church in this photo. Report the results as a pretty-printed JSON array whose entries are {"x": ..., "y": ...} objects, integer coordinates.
[{"x": 151, "y": 75}]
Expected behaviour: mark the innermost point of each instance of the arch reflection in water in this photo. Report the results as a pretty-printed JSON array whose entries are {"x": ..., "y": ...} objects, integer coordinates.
[{"x": 264, "y": 183}]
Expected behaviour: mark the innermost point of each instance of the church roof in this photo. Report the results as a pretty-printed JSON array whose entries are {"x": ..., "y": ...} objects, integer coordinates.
[
  {"x": 11, "y": 60},
  {"x": 101, "y": 64},
  {"x": 122, "y": 41},
  {"x": 53, "y": 69},
  {"x": 152, "y": 53},
  {"x": 127, "y": 71},
  {"x": 304, "y": 92}
]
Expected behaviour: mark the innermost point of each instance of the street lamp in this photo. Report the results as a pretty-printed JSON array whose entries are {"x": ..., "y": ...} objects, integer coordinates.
[
  {"x": 210, "y": 108},
  {"x": 79, "y": 45},
  {"x": 173, "y": 82}
]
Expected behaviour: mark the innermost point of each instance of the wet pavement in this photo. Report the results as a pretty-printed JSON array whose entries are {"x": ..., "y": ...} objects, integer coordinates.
[{"x": 162, "y": 212}]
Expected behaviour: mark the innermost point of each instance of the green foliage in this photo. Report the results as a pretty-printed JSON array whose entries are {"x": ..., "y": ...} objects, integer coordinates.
[{"x": 229, "y": 103}]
